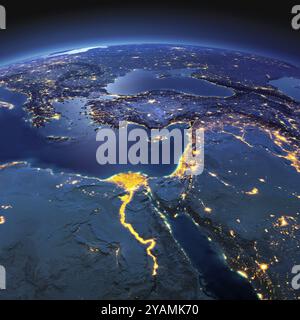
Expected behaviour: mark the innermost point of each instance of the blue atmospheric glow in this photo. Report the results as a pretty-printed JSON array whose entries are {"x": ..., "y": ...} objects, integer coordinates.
[{"x": 79, "y": 46}]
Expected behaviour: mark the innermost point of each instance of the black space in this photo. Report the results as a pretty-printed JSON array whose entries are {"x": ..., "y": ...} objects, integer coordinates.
[
  {"x": 274, "y": 13},
  {"x": 261, "y": 25}
]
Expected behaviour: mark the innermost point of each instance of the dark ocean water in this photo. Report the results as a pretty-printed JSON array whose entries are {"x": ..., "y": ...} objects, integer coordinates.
[
  {"x": 139, "y": 81},
  {"x": 23, "y": 142},
  {"x": 219, "y": 280}
]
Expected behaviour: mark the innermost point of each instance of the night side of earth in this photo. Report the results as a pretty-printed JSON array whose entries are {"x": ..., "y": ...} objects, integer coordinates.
[{"x": 73, "y": 229}]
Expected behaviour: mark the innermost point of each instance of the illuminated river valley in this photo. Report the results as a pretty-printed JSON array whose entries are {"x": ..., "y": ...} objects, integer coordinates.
[{"x": 71, "y": 228}]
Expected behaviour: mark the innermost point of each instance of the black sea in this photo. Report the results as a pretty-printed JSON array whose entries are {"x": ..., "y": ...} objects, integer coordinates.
[{"x": 139, "y": 81}]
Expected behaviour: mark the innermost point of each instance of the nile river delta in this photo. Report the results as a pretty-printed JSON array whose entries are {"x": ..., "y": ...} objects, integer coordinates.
[{"x": 71, "y": 228}]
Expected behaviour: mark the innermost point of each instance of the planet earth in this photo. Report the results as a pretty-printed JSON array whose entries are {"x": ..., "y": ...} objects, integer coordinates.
[{"x": 72, "y": 229}]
